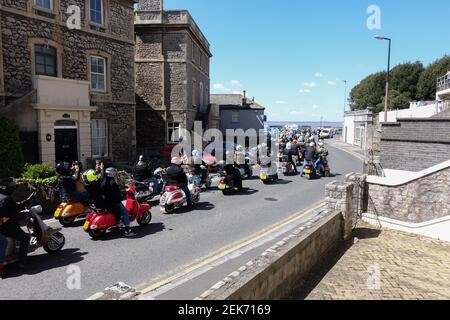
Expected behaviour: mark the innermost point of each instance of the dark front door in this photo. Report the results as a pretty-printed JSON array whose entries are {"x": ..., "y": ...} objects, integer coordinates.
[{"x": 66, "y": 145}]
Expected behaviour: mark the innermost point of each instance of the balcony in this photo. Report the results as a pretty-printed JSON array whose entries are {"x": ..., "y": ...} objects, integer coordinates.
[
  {"x": 61, "y": 94},
  {"x": 443, "y": 87}
]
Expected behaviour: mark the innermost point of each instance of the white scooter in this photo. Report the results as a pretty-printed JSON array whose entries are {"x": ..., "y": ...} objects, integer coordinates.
[
  {"x": 174, "y": 198},
  {"x": 52, "y": 240}
]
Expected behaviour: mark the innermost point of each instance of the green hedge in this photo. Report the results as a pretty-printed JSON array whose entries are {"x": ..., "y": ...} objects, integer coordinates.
[
  {"x": 38, "y": 171},
  {"x": 11, "y": 159}
]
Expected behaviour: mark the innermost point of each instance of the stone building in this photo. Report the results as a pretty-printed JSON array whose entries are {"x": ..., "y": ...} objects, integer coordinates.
[
  {"x": 172, "y": 75},
  {"x": 71, "y": 91}
]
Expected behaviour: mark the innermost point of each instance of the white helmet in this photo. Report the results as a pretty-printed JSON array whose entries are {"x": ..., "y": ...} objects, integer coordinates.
[
  {"x": 239, "y": 148},
  {"x": 312, "y": 144},
  {"x": 111, "y": 172}
]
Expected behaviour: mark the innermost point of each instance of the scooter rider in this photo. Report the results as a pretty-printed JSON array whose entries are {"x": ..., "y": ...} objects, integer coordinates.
[
  {"x": 177, "y": 176},
  {"x": 322, "y": 154},
  {"x": 66, "y": 182},
  {"x": 142, "y": 170},
  {"x": 113, "y": 198},
  {"x": 310, "y": 156},
  {"x": 9, "y": 225},
  {"x": 232, "y": 169}
]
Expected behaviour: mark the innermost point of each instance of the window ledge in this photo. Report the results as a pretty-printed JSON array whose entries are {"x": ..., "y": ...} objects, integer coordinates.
[
  {"x": 97, "y": 25},
  {"x": 50, "y": 11}
]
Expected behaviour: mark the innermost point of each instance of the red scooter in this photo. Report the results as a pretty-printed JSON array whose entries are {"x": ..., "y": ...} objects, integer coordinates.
[{"x": 99, "y": 222}]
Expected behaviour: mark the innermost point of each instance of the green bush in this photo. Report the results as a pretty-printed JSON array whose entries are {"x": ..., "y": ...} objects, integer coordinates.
[
  {"x": 11, "y": 159},
  {"x": 38, "y": 171}
]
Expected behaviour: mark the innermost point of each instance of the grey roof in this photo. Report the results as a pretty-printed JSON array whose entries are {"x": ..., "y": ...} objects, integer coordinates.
[{"x": 234, "y": 101}]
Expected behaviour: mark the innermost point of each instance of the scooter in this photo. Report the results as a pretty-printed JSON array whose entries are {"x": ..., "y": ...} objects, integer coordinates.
[
  {"x": 67, "y": 212},
  {"x": 309, "y": 172},
  {"x": 323, "y": 167},
  {"x": 174, "y": 198},
  {"x": 203, "y": 179},
  {"x": 99, "y": 222},
  {"x": 228, "y": 184},
  {"x": 286, "y": 166},
  {"x": 52, "y": 240},
  {"x": 267, "y": 176},
  {"x": 147, "y": 190}
]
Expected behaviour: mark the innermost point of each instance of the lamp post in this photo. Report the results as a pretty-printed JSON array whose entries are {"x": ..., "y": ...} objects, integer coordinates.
[
  {"x": 345, "y": 95},
  {"x": 387, "y": 77}
]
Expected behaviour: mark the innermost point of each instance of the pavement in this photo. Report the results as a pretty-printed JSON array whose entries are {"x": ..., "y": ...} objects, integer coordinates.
[
  {"x": 384, "y": 265},
  {"x": 337, "y": 142},
  {"x": 177, "y": 256}
]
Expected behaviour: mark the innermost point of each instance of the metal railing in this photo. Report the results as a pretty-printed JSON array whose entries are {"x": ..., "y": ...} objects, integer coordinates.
[{"x": 443, "y": 83}]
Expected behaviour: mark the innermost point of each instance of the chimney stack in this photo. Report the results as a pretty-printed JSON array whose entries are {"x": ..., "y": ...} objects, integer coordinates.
[
  {"x": 244, "y": 100},
  {"x": 150, "y": 5}
]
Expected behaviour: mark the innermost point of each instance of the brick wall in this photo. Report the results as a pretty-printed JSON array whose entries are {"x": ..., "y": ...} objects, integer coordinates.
[{"x": 415, "y": 145}]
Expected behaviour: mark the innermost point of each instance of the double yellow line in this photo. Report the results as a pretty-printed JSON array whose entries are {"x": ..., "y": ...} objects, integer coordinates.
[{"x": 232, "y": 248}]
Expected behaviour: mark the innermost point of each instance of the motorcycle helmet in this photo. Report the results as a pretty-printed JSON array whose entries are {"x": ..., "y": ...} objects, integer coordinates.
[
  {"x": 91, "y": 176},
  {"x": 111, "y": 172},
  {"x": 63, "y": 168},
  {"x": 7, "y": 186}
]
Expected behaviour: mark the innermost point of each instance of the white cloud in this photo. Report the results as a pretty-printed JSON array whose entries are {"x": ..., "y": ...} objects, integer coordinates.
[
  {"x": 315, "y": 107},
  {"x": 235, "y": 83},
  {"x": 318, "y": 75},
  {"x": 237, "y": 92},
  {"x": 220, "y": 86},
  {"x": 280, "y": 102},
  {"x": 304, "y": 91},
  {"x": 310, "y": 84},
  {"x": 332, "y": 83}
]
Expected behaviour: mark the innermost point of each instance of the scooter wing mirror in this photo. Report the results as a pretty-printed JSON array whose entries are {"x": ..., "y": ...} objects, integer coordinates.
[{"x": 36, "y": 210}]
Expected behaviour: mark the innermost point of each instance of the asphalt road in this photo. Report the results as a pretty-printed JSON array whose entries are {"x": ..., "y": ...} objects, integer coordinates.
[{"x": 170, "y": 243}]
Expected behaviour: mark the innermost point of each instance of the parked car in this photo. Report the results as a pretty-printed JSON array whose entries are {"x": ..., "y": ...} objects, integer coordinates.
[{"x": 326, "y": 134}]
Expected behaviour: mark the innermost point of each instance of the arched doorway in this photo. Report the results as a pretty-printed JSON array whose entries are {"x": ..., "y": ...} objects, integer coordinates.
[{"x": 66, "y": 141}]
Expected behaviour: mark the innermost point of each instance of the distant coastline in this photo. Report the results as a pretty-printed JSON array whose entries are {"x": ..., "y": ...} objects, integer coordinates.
[{"x": 313, "y": 124}]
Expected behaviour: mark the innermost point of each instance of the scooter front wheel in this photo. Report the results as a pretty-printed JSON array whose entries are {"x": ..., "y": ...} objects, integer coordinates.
[
  {"x": 55, "y": 243},
  {"x": 95, "y": 234},
  {"x": 66, "y": 222},
  {"x": 169, "y": 209},
  {"x": 145, "y": 219}
]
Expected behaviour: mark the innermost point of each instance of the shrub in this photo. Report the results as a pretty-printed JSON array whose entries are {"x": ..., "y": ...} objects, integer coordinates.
[
  {"x": 11, "y": 159},
  {"x": 39, "y": 171}
]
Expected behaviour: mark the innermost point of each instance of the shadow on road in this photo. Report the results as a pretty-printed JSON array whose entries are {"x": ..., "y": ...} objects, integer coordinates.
[
  {"x": 44, "y": 262},
  {"x": 141, "y": 232}
]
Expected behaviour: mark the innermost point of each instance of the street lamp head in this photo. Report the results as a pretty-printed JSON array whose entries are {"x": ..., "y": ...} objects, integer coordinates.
[{"x": 379, "y": 37}]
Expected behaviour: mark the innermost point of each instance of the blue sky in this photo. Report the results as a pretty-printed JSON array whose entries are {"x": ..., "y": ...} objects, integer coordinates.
[{"x": 292, "y": 55}]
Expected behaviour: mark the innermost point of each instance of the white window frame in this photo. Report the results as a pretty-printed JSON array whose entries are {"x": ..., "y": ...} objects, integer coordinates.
[
  {"x": 233, "y": 116},
  {"x": 173, "y": 126},
  {"x": 36, "y": 4},
  {"x": 102, "y": 12},
  {"x": 95, "y": 138},
  {"x": 105, "y": 89}
]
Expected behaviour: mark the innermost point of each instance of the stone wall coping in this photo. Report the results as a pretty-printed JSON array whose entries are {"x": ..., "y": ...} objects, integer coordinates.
[
  {"x": 395, "y": 178},
  {"x": 241, "y": 276}
]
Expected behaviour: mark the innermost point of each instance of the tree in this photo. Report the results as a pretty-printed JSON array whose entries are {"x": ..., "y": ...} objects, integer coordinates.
[
  {"x": 404, "y": 79},
  {"x": 397, "y": 100},
  {"x": 426, "y": 88},
  {"x": 369, "y": 92},
  {"x": 11, "y": 159}
]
